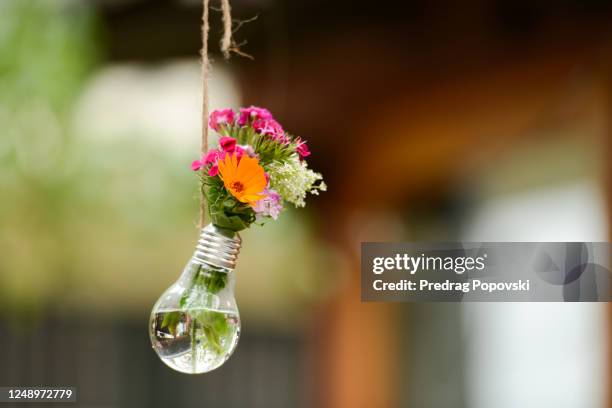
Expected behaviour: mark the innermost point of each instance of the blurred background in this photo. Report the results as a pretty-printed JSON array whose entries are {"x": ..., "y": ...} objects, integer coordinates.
[{"x": 430, "y": 120}]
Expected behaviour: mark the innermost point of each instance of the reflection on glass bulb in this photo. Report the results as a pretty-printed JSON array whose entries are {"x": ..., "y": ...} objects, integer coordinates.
[{"x": 195, "y": 325}]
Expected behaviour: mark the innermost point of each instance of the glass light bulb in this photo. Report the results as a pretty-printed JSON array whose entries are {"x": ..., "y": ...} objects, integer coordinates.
[{"x": 195, "y": 325}]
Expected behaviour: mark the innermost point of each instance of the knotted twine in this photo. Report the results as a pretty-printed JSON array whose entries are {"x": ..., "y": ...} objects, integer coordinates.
[{"x": 226, "y": 46}]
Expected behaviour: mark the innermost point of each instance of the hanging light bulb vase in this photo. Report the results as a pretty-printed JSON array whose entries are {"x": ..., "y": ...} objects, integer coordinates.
[
  {"x": 195, "y": 325},
  {"x": 256, "y": 170}
]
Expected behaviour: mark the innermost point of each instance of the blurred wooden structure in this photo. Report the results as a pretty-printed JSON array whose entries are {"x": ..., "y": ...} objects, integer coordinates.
[{"x": 417, "y": 107}]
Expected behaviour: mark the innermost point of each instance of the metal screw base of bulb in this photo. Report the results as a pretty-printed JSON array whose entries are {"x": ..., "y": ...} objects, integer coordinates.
[{"x": 217, "y": 247}]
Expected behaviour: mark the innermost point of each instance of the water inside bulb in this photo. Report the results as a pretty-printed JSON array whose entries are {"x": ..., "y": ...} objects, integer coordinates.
[
  {"x": 195, "y": 341},
  {"x": 195, "y": 325}
]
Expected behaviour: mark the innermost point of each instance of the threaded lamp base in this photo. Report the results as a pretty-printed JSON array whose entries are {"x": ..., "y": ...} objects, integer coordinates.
[{"x": 217, "y": 247}]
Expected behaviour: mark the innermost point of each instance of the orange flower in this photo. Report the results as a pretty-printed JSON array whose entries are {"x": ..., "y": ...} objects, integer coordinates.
[{"x": 245, "y": 179}]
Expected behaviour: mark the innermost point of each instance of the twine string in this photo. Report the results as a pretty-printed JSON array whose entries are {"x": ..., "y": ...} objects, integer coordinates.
[
  {"x": 226, "y": 40},
  {"x": 204, "y": 144},
  {"x": 226, "y": 46}
]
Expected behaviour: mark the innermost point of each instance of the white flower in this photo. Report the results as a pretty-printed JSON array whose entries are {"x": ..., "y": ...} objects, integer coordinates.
[{"x": 293, "y": 179}]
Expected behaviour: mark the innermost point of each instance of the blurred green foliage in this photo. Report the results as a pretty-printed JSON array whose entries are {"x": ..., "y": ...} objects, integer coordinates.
[
  {"x": 76, "y": 212},
  {"x": 45, "y": 56},
  {"x": 45, "y": 52}
]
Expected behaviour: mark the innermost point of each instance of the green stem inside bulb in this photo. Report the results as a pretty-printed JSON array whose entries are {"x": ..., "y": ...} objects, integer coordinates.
[{"x": 208, "y": 326}]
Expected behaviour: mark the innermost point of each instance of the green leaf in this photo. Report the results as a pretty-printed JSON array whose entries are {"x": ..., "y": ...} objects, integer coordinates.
[{"x": 230, "y": 222}]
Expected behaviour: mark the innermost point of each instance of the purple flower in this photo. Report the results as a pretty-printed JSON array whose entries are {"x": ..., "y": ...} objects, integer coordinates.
[
  {"x": 271, "y": 205},
  {"x": 252, "y": 113},
  {"x": 248, "y": 150},
  {"x": 220, "y": 117}
]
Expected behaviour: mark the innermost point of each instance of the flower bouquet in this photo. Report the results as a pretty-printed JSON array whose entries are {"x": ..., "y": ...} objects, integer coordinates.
[{"x": 256, "y": 171}]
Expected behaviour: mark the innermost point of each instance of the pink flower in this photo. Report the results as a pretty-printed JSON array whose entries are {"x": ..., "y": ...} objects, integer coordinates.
[
  {"x": 213, "y": 171},
  {"x": 302, "y": 148},
  {"x": 220, "y": 117},
  {"x": 253, "y": 113},
  {"x": 211, "y": 157},
  {"x": 228, "y": 144},
  {"x": 239, "y": 151},
  {"x": 214, "y": 155},
  {"x": 271, "y": 205},
  {"x": 197, "y": 165},
  {"x": 271, "y": 128}
]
